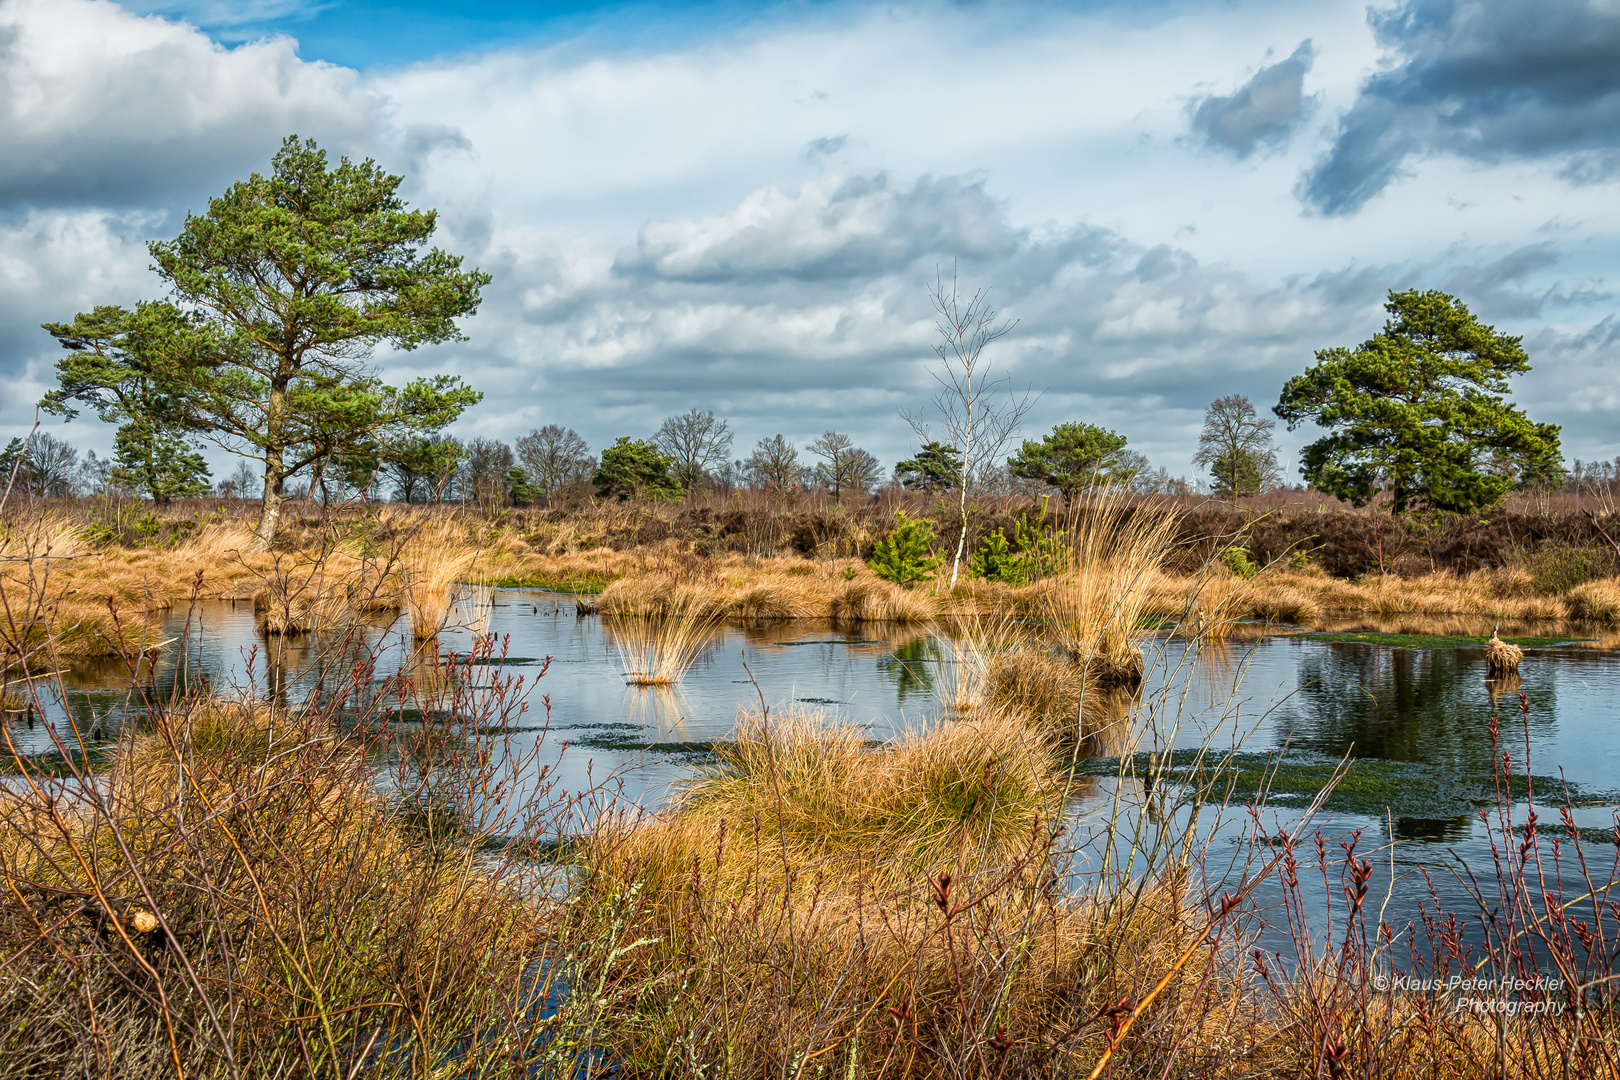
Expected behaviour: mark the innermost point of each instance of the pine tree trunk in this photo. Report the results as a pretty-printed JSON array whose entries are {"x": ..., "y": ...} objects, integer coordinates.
[{"x": 270, "y": 513}]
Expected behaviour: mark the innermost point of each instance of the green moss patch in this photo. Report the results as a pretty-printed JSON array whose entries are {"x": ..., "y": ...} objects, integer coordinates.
[{"x": 588, "y": 584}]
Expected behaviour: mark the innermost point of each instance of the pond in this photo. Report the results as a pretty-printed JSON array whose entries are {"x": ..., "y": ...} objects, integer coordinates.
[{"x": 1286, "y": 706}]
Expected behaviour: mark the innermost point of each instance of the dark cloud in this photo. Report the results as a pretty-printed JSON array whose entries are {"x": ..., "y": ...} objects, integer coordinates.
[
  {"x": 1264, "y": 111},
  {"x": 1490, "y": 80}
]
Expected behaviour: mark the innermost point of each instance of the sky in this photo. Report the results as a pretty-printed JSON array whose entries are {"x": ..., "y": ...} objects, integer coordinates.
[{"x": 741, "y": 207}]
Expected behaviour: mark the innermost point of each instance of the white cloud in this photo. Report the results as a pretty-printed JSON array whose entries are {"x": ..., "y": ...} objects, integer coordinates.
[{"x": 97, "y": 104}]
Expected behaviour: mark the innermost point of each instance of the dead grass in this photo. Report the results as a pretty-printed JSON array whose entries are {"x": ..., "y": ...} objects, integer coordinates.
[
  {"x": 832, "y": 801},
  {"x": 657, "y": 650},
  {"x": 1597, "y": 601},
  {"x": 1098, "y": 607},
  {"x": 238, "y": 896}
]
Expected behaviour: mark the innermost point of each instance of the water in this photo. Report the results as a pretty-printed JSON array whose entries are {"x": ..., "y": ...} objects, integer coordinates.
[{"x": 1418, "y": 720}]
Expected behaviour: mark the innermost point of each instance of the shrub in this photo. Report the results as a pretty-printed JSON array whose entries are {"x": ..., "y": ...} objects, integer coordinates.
[
  {"x": 1238, "y": 561},
  {"x": 904, "y": 556},
  {"x": 996, "y": 561}
]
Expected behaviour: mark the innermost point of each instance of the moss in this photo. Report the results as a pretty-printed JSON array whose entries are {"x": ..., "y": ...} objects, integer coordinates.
[
  {"x": 1371, "y": 786},
  {"x": 587, "y": 584}
]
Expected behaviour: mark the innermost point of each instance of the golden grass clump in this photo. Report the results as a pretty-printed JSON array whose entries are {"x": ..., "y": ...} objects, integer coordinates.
[
  {"x": 1098, "y": 606},
  {"x": 866, "y": 599},
  {"x": 1049, "y": 694},
  {"x": 656, "y": 595},
  {"x": 831, "y": 801},
  {"x": 1596, "y": 601},
  {"x": 432, "y": 564},
  {"x": 777, "y": 600},
  {"x": 657, "y": 650}
]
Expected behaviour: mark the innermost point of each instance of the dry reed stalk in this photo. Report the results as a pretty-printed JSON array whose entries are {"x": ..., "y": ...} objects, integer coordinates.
[
  {"x": 657, "y": 650},
  {"x": 1098, "y": 606}
]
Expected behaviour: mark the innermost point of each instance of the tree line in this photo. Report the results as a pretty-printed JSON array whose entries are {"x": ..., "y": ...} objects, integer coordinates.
[{"x": 281, "y": 291}]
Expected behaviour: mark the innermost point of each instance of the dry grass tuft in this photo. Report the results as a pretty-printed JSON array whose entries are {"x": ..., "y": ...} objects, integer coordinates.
[
  {"x": 432, "y": 564},
  {"x": 866, "y": 599},
  {"x": 1098, "y": 606},
  {"x": 830, "y": 800},
  {"x": 1284, "y": 604},
  {"x": 1596, "y": 601},
  {"x": 657, "y": 650}
]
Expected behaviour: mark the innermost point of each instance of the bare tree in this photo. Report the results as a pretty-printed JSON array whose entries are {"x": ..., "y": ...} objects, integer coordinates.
[
  {"x": 846, "y": 467},
  {"x": 555, "y": 458},
  {"x": 1237, "y": 447},
  {"x": 44, "y": 465},
  {"x": 482, "y": 475},
  {"x": 695, "y": 440},
  {"x": 243, "y": 481},
  {"x": 976, "y": 418},
  {"x": 95, "y": 473},
  {"x": 774, "y": 464}
]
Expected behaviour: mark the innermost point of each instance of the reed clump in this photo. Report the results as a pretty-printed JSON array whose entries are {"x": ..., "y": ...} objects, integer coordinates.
[
  {"x": 1098, "y": 607},
  {"x": 431, "y": 567},
  {"x": 657, "y": 650},
  {"x": 1596, "y": 601},
  {"x": 829, "y": 799}
]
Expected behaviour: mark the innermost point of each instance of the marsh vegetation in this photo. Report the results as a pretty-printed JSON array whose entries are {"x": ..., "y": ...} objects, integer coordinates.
[{"x": 389, "y": 860}]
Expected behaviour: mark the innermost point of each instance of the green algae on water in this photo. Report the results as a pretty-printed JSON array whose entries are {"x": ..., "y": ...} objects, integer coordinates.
[{"x": 1371, "y": 786}]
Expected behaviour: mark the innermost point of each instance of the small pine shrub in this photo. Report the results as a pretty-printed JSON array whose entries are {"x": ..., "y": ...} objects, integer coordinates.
[
  {"x": 1043, "y": 552},
  {"x": 904, "y": 556},
  {"x": 997, "y": 561}
]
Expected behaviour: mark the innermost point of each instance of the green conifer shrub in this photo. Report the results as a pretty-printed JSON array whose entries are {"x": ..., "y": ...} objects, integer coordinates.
[{"x": 904, "y": 556}]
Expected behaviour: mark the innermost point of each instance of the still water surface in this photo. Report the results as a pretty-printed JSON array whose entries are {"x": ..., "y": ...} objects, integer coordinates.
[{"x": 1418, "y": 720}]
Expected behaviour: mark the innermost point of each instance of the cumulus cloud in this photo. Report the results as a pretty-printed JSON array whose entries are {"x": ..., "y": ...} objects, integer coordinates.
[
  {"x": 1264, "y": 111},
  {"x": 799, "y": 310},
  {"x": 52, "y": 264},
  {"x": 1489, "y": 80},
  {"x": 836, "y": 227},
  {"x": 98, "y": 105}
]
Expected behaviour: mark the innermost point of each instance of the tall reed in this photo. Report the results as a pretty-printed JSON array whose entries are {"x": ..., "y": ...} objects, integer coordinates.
[{"x": 1098, "y": 607}]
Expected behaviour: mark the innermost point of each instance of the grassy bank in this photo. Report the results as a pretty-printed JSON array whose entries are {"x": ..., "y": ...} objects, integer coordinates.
[{"x": 97, "y": 589}]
